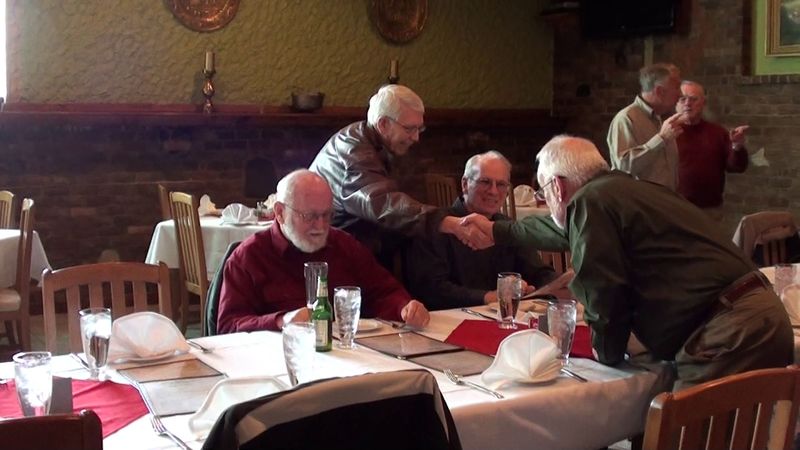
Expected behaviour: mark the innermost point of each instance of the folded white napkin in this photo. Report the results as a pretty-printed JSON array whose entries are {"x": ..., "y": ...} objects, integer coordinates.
[
  {"x": 270, "y": 201},
  {"x": 207, "y": 207},
  {"x": 528, "y": 356},
  {"x": 228, "y": 392},
  {"x": 791, "y": 301},
  {"x": 523, "y": 195},
  {"x": 237, "y": 213},
  {"x": 145, "y": 336}
]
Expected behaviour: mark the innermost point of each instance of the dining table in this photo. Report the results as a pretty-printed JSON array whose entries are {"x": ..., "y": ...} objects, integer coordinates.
[
  {"x": 563, "y": 413},
  {"x": 9, "y": 250},
  {"x": 216, "y": 238}
]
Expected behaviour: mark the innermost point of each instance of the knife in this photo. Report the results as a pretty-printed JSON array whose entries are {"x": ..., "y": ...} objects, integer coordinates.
[
  {"x": 572, "y": 374},
  {"x": 479, "y": 314}
]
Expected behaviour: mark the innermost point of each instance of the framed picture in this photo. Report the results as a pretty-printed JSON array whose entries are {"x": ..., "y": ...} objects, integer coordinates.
[{"x": 783, "y": 27}]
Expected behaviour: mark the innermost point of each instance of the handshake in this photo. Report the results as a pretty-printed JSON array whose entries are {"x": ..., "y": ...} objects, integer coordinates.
[{"x": 474, "y": 230}]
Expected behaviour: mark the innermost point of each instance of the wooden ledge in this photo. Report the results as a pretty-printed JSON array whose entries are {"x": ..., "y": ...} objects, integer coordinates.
[{"x": 88, "y": 114}]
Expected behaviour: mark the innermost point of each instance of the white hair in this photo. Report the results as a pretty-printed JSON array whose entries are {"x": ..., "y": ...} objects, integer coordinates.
[
  {"x": 288, "y": 184},
  {"x": 474, "y": 162},
  {"x": 388, "y": 101},
  {"x": 573, "y": 158}
]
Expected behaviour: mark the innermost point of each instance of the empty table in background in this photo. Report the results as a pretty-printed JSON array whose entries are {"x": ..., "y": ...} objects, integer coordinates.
[{"x": 9, "y": 249}]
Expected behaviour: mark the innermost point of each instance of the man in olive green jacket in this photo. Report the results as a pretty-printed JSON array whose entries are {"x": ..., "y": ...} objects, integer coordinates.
[{"x": 650, "y": 263}]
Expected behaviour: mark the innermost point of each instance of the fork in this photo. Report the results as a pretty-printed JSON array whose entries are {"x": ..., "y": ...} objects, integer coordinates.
[
  {"x": 461, "y": 382},
  {"x": 161, "y": 430}
]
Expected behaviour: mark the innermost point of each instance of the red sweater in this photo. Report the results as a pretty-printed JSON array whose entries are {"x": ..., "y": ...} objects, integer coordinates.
[
  {"x": 705, "y": 154},
  {"x": 264, "y": 279}
]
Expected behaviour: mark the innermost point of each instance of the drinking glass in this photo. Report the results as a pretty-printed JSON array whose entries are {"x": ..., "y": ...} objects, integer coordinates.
[
  {"x": 299, "y": 340},
  {"x": 95, "y": 336},
  {"x": 347, "y": 308},
  {"x": 509, "y": 291},
  {"x": 561, "y": 319},
  {"x": 313, "y": 270},
  {"x": 784, "y": 276},
  {"x": 34, "y": 380}
]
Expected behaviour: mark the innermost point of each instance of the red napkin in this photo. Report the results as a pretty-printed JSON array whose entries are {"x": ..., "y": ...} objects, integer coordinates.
[
  {"x": 117, "y": 405},
  {"x": 483, "y": 336}
]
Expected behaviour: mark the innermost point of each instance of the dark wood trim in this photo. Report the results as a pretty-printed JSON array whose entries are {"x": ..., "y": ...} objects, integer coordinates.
[
  {"x": 253, "y": 115},
  {"x": 747, "y": 37}
]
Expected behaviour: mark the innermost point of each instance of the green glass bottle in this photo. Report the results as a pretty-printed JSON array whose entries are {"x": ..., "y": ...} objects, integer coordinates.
[{"x": 322, "y": 317}]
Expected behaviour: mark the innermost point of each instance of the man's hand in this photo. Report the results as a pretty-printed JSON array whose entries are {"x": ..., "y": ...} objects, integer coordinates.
[
  {"x": 673, "y": 127},
  {"x": 490, "y": 297},
  {"x": 415, "y": 314},
  {"x": 298, "y": 315},
  {"x": 476, "y": 232},
  {"x": 738, "y": 136}
]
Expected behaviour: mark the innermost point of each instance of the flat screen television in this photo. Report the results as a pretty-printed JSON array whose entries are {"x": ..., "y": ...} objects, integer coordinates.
[{"x": 624, "y": 18}]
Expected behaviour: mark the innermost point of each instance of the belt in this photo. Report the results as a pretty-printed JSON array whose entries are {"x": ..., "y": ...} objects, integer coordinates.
[{"x": 744, "y": 285}]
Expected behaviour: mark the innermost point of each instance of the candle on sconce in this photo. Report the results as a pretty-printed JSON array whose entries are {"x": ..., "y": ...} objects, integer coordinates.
[
  {"x": 393, "y": 69},
  {"x": 209, "y": 61}
]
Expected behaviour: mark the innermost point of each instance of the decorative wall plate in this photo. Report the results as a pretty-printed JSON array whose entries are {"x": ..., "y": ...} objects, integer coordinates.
[
  {"x": 399, "y": 21},
  {"x": 203, "y": 15}
]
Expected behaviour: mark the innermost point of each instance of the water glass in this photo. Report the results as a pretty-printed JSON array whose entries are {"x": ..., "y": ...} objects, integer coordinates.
[
  {"x": 34, "y": 380},
  {"x": 784, "y": 276},
  {"x": 509, "y": 291},
  {"x": 313, "y": 270},
  {"x": 299, "y": 340},
  {"x": 347, "y": 308},
  {"x": 95, "y": 336},
  {"x": 561, "y": 319}
]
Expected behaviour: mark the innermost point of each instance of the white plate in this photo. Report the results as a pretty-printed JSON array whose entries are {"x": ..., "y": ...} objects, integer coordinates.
[
  {"x": 149, "y": 358},
  {"x": 368, "y": 325}
]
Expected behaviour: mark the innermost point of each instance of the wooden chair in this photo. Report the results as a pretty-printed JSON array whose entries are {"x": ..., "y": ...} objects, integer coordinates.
[
  {"x": 82, "y": 431},
  {"x": 119, "y": 281},
  {"x": 441, "y": 190},
  {"x": 191, "y": 252},
  {"x": 560, "y": 261},
  {"x": 774, "y": 252},
  {"x": 163, "y": 201},
  {"x": 6, "y": 209},
  {"x": 752, "y": 410},
  {"x": 509, "y": 207},
  {"x": 14, "y": 301}
]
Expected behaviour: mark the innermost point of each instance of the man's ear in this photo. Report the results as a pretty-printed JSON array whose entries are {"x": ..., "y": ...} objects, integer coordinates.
[
  {"x": 464, "y": 185},
  {"x": 560, "y": 188},
  {"x": 279, "y": 210},
  {"x": 383, "y": 125}
]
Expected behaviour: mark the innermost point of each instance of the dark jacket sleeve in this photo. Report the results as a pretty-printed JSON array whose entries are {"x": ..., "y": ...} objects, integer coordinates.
[{"x": 532, "y": 231}]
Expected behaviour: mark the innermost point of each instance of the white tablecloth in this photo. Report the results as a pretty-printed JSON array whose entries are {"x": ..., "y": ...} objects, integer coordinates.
[
  {"x": 9, "y": 248},
  {"x": 565, "y": 414},
  {"x": 525, "y": 211},
  {"x": 216, "y": 238}
]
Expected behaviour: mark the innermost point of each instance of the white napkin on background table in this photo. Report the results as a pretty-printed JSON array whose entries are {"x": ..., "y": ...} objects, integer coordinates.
[
  {"x": 237, "y": 213},
  {"x": 207, "y": 207},
  {"x": 523, "y": 195},
  {"x": 229, "y": 392},
  {"x": 528, "y": 356},
  {"x": 145, "y": 335}
]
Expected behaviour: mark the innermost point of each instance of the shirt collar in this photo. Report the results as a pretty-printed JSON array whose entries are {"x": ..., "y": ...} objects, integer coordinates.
[{"x": 640, "y": 102}]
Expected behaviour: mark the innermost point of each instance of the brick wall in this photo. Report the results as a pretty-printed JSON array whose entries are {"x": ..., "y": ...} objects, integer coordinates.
[
  {"x": 95, "y": 186},
  {"x": 594, "y": 79}
]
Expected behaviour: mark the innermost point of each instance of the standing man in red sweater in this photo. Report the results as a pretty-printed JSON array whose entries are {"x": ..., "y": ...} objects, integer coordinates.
[{"x": 705, "y": 152}]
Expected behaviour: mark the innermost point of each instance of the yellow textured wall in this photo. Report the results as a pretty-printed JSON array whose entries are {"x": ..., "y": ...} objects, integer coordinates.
[{"x": 471, "y": 53}]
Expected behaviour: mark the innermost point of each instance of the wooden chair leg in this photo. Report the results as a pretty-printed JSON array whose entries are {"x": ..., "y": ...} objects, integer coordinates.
[{"x": 10, "y": 334}]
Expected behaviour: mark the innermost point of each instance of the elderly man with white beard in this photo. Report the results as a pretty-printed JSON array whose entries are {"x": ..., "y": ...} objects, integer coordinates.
[
  {"x": 649, "y": 263},
  {"x": 264, "y": 281}
]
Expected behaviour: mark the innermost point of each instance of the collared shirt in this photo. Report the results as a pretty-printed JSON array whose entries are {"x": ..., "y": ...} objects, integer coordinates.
[
  {"x": 264, "y": 278},
  {"x": 444, "y": 273},
  {"x": 636, "y": 147},
  {"x": 646, "y": 261},
  {"x": 706, "y": 153}
]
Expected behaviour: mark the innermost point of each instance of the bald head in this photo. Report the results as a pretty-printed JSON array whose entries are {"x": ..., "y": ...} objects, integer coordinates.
[
  {"x": 301, "y": 182},
  {"x": 303, "y": 209}
]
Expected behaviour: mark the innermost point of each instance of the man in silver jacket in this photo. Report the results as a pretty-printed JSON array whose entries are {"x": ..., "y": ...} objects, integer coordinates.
[{"x": 356, "y": 163}]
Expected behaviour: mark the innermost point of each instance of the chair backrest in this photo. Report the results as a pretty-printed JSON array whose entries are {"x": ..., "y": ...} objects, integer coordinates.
[
  {"x": 214, "y": 289},
  {"x": 769, "y": 229},
  {"x": 441, "y": 190},
  {"x": 163, "y": 201},
  {"x": 23, "y": 279},
  {"x": 365, "y": 411},
  {"x": 560, "y": 261},
  {"x": 753, "y": 410},
  {"x": 509, "y": 207},
  {"x": 191, "y": 251},
  {"x": 90, "y": 285},
  {"x": 6, "y": 209},
  {"x": 82, "y": 431}
]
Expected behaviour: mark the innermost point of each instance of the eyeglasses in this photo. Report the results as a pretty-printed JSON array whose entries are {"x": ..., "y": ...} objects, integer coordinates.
[
  {"x": 409, "y": 129},
  {"x": 309, "y": 218},
  {"x": 486, "y": 183},
  {"x": 688, "y": 99},
  {"x": 539, "y": 193}
]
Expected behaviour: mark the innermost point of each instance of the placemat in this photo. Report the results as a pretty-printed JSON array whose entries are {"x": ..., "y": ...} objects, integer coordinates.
[
  {"x": 178, "y": 396},
  {"x": 117, "y": 405},
  {"x": 192, "y": 368},
  {"x": 464, "y": 362},
  {"x": 484, "y": 337},
  {"x": 405, "y": 345}
]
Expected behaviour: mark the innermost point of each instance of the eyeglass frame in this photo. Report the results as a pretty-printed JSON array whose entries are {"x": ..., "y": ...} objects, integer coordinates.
[
  {"x": 487, "y": 183},
  {"x": 538, "y": 194},
  {"x": 408, "y": 128},
  {"x": 309, "y": 218}
]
